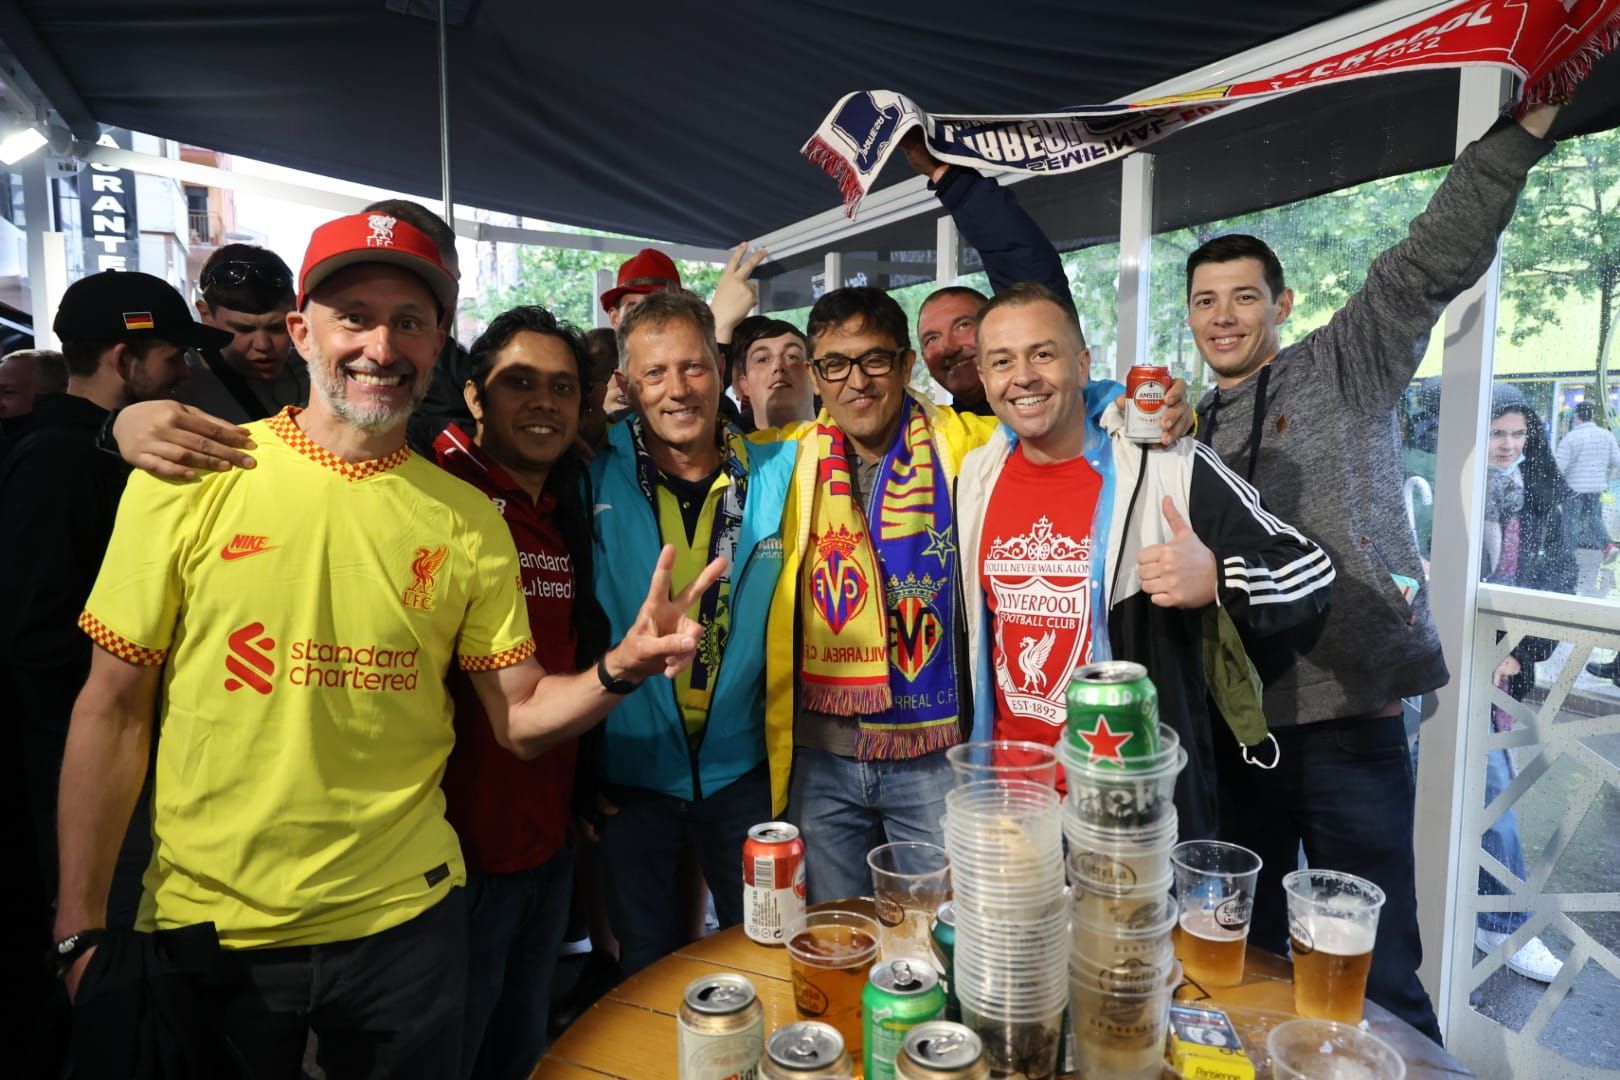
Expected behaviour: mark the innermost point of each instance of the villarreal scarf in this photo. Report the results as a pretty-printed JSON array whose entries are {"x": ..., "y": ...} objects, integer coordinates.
[
  {"x": 876, "y": 611},
  {"x": 1549, "y": 45}
]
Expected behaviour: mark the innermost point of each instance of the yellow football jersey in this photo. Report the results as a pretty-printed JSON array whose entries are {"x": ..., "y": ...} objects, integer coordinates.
[{"x": 306, "y": 612}]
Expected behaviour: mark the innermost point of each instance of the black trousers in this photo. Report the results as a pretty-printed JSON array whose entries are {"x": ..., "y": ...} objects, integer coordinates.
[
  {"x": 1345, "y": 790},
  {"x": 389, "y": 1005}
]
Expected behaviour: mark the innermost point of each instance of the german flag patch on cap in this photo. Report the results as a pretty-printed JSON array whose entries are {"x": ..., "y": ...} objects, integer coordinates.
[{"x": 138, "y": 320}]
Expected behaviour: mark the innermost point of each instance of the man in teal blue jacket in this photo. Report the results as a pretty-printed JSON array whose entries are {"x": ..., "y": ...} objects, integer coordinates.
[{"x": 683, "y": 758}]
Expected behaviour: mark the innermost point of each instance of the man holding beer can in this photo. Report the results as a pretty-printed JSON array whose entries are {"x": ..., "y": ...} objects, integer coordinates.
[{"x": 1081, "y": 544}]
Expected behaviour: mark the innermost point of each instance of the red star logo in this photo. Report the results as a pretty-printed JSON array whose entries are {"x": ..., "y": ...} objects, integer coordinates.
[{"x": 1104, "y": 742}]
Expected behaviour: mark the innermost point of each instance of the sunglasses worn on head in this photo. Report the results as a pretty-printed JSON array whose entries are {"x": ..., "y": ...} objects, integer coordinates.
[{"x": 236, "y": 274}]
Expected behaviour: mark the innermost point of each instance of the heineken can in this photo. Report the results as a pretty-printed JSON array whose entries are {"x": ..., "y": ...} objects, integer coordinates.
[
  {"x": 899, "y": 995},
  {"x": 721, "y": 1028},
  {"x": 941, "y": 1050},
  {"x": 944, "y": 937},
  {"x": 1114, "y": 715},
  {"x": 806, "y": 1050}
]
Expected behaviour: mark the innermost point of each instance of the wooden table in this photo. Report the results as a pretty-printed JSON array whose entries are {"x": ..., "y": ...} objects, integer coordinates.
[{"x": 630, "y": 1033}]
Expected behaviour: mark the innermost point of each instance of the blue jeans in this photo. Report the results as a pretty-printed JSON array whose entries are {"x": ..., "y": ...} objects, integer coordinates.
[
  {"x": 641, "y": 845},
  {"x": 515, "y": 926},
  {"x": 1345, "y": 790},
  {"x": 1501, "y": 841},
  {"x": 844, "y": 808}
]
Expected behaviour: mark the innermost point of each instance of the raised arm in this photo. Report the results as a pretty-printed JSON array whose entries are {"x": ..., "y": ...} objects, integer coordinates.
[
  {"x": 1377, "y": 339},
  {"x": 532, "y": 710},
  {"x": 989, "y": 217},
  {"x": 103, "y": 766}
]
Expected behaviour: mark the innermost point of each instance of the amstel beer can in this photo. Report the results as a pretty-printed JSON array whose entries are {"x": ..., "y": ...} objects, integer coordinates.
[
  {"x": 899, "y": 995},
  {"x": 807, "y": 1050},
  {"x": 1114, "y": 715},
  {"x": 773, "y": 881},
  {"x": 1145, "y": 388},
  {"x": 941, "y": 1050},
  {"x": 721, "y": 1029},
  {"x": 944, "y": 937}
]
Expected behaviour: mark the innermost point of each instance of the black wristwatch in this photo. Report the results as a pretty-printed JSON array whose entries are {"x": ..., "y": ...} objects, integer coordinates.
[
  {"x": 69, "y": 948},
  {"x": 609, "y": 683}
]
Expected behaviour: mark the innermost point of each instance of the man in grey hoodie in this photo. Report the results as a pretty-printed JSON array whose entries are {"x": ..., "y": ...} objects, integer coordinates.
[{"x": 1313, "y": 427}]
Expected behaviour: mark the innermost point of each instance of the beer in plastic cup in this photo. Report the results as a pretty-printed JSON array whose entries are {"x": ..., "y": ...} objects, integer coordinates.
[
  {"x": 830, "y": 953},
  {"x": 1215, "y": 888},
  {"x": 1332, "y": 925}
]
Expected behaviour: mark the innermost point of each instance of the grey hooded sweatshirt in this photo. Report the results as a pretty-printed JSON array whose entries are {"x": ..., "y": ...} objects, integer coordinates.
[{"x": 1329, "y": 457}]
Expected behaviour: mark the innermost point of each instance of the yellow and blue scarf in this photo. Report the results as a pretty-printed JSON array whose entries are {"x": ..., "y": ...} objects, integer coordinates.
[{"x": 876, "y": 613}]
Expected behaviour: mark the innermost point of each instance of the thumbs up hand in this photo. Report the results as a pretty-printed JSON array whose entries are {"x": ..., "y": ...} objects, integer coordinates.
[{"x": 1180, "y": 573}]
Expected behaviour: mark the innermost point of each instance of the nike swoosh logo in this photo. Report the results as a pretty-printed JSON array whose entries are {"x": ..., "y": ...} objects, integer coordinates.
[
  {"x": 231, "y": 556},
  {"x": 599, "y": 507}
]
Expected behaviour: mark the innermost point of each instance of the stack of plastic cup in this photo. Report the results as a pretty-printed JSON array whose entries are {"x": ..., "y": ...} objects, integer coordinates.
[
  {"x": 1012, "y": 916},
  {"x": 1119, "y": 821}
]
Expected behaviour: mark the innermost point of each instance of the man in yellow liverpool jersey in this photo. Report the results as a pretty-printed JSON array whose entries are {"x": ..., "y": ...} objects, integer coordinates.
[{"x": 301, "y": 617}]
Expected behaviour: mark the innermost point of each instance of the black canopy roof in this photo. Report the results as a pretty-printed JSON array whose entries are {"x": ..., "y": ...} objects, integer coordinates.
[{"x": 680, "y": 122}]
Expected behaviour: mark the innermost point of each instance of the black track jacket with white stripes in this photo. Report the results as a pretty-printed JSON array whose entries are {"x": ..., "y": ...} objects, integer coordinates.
[{"x": 1270, "y": 578}]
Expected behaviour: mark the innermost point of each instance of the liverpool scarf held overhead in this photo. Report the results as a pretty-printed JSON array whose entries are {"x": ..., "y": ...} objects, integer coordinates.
[
  {"x": 876, "y": 613},
  {"x": 1549, "y": 44}
]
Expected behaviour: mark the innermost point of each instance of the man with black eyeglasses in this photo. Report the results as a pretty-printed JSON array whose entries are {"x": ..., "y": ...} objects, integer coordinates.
[
  {"x": 246, "y": 291},
  {"x": 867, "y": 673}
]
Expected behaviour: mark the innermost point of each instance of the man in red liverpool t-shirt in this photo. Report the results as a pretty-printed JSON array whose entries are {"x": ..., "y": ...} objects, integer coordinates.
[
  {"x": 1083, "y": 546},
  {"x": 526, "y": 391}
]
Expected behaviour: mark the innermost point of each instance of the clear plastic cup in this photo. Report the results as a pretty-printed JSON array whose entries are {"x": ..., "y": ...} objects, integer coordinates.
[
  {"x": 1307, "y": 1049},
  {"x": 1120, "y": 1032},
  {"x": 1004, "y": 759},
  {"x": 1111, "y": 944},
  {"x": 1215, "y": 889},
  {"x": 1124, "y": 799},
  {"x": 909, "y": 881},
  {"x": 1131, "y": 906},
  {"x": 1332, "y": 926},
  {"x": 1021, "y": 1041},
  {"x": 830, "y": 953},
  {"x": 1139, "y": 965},
  {"x": 1117, "y": 857}
]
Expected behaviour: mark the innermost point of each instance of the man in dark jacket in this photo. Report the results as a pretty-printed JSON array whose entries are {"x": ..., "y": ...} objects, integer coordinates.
[
  {"x": 247, "y": 292},
  {"x": 124, "y": 337},
  {"x": 1314, "y": 428}
]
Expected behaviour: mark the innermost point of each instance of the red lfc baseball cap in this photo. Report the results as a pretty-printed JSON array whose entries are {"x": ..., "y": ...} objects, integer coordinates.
[
  {"x": 373, "y": 237},
  {"x": 647, "y": 271}
]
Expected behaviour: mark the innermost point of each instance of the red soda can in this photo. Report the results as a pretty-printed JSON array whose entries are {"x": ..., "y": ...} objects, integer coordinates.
[
  {"x": 773, "y": 881},
  {"x": 1145, "y": 386}
]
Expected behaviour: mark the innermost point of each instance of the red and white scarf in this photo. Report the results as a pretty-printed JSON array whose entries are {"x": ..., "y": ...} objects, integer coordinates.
[{"x": 1549, "y": 45}]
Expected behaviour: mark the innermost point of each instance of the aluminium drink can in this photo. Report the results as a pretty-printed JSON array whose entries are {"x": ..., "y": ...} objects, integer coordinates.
[
  {"x": 721, "y": 1029},
  {"x": 942, "y": 1050},
  {"x": 806, "y": 1050},
  {"x": 899, "y": 995},
  {"x": 773, "y": 881},
  {"x": 944, "y": 938},
  {"x": 1145, "y": 389},
  {"x": 1114, "y": 715}
]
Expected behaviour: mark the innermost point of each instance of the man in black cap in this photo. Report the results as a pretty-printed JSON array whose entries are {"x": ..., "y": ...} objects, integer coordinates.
[
  {"x": 124, "y": 339},
  {"x": 247, "y": 291}
]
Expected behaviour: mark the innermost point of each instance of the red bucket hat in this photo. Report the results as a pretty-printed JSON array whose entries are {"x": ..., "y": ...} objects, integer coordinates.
[
  {"x": 375, "y": 237},
  {"x": 647, "y": 271}
]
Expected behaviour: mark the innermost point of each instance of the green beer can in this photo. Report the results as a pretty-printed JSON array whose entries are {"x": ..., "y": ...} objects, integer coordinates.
[
  {"x": 1114, "y": 715},
  {"x": 899, "y": 995},
  {"x": 944, "y": 937}
]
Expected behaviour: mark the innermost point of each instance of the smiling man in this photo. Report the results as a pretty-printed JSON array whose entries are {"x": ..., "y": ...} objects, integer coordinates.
[
  {"x": 869, "y": 673},
  {"x": 688, "y": 764},
  {"x": 302, "y": 617},
  {"x": 1060, "y": 513},
  {"x": 527, "y": 394},
  {"x": 247, "y": 291},
  {"x": 1313, "y": 426}
]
